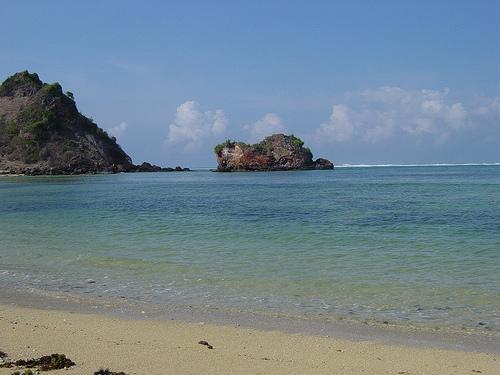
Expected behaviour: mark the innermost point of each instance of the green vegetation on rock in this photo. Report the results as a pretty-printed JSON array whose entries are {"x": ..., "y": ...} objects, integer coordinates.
[
  {"x": 11, "y": 129},
  {"x": 23, "y": 80},
  {"x": 42, "y": 132},
  {"x": 227, "y": 143},
  {"x": 52, "y": 89},
  {"x": 276, "y": 152},
  {"x": 296, "y": 141}
]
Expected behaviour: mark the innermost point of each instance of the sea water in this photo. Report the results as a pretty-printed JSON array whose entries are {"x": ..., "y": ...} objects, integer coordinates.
[{"x": 416, "y": 246}]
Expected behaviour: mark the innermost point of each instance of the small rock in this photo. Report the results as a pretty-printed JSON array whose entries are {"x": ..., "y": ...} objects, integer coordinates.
[{"x": 203, "y": 342}]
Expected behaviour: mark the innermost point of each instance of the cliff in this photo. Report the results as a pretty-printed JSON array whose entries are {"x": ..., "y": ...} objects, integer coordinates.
[
  {"x": 42, "y": 132},
  {"x": 277, "y": 152}
]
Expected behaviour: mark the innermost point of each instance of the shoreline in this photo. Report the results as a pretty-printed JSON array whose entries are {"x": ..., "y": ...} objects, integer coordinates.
[
  {"x": 214, "y": 169},
  {"x": 136, "y": 346},
  {"x": 135, "y": 310}
]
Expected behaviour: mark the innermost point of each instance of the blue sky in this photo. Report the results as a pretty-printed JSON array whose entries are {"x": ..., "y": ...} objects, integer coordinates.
[{"x": 359, "y": 81}]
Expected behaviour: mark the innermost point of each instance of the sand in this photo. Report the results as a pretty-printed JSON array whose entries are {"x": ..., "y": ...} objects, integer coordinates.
[{"x": 171, "y": 347}]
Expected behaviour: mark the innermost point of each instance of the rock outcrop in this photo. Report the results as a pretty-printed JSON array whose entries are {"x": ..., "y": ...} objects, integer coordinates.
[
  {"x": 148, "y": 167},
  {"x": 278, "y": 152},
  {"x": 42, "y": 132}
]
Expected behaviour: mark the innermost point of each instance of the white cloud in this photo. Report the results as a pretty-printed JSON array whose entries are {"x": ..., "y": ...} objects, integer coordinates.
[
  {"x": 456, "y": 116},
  {"x": 383, "y": 129},
  {"x": 386, "y": 94},
  {"x": 191, "y": 125},
  {"x": 339, "y": 127},
  {"x": 490, "y": 107},
  {"x": 269, "y": 124},
  {"x": 377, "y": 114},
  {"x": 118, "y": 130}
]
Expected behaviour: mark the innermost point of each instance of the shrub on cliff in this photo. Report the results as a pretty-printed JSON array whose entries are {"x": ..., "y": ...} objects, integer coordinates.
[
  {"x": 296, "y": 141},
  {"x": 227, "y": 143},
  {"x": 41, "y": 131},
  {"x": 276, "y": 152}
]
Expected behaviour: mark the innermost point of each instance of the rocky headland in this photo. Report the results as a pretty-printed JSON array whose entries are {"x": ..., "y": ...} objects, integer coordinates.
[
  {"x": 278, "y": 152},
  {"x": 43, "y": 133}
]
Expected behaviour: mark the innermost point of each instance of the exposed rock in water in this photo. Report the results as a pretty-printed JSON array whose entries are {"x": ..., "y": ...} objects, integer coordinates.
[
  {"x": 147, "y": 167},
  {"x": 278, "y": 152},
  {"x": 42, "y": 133}
]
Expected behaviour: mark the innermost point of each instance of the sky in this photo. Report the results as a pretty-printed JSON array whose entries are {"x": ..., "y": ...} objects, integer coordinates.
[{"x": 361, "y": 82}]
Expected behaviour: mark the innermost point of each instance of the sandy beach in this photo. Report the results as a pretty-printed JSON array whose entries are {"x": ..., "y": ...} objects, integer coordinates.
[{"x": 171, "y": 347}]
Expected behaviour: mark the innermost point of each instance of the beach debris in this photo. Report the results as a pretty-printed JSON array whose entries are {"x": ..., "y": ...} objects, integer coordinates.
[
  {"x": 90, "y": 281},
  {"x": 203, "y": 342},
  {"x": 2, "y": 355},
  {"x": 266, "y": 359},
  {"x": 44, "y": 363},
  {"x": 477, "y": 371},
  {"x": 25, "y": 372},
  {"x": 108, "y": 372}
]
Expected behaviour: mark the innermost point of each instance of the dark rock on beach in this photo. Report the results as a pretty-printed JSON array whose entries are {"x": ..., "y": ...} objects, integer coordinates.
[
  {"x": 278, "y": 152},
  {"x": 108, "y": 372},
  {"x": 205, "y": 343},
  {"x": 43, "y": 133}
]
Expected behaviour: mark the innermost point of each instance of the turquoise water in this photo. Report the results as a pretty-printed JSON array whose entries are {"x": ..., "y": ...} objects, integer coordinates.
[{"x": 416, "y": 246}]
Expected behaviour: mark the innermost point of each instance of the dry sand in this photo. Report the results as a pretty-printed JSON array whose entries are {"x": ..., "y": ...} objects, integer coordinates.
[{"x": 166, "y": 347}]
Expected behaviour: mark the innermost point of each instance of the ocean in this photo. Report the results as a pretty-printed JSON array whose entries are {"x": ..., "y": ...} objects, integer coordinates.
[{"x": 410, "y": 246}]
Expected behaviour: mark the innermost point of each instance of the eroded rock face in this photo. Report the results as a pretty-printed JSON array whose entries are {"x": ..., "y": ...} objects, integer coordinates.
[
  {"x": 42, "y": 132},
  {"x": 277, "y": 152}
]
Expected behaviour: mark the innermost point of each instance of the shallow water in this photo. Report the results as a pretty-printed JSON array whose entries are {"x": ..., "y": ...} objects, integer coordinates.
[{"x": 417, "y": 246}]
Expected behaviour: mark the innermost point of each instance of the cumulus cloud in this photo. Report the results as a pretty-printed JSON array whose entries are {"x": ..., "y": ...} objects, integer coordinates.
[
  {"x": 377, "y": 114},
  {"x": 339, "y": 127},
  {"x": 269, "y": 124},
  {"x": 490, "y": 107},
  {"x": 192, "y": 125},
  {"x": 118, "y": 130}
]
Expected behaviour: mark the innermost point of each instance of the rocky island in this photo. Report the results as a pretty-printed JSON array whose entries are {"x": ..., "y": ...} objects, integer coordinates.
[
  {"x": 278, "y": 152},
  {"x": 43, "y": 133}
]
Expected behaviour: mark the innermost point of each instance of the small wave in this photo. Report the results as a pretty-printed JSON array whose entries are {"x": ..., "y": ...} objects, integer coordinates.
[{"x": 415, "y": 165}]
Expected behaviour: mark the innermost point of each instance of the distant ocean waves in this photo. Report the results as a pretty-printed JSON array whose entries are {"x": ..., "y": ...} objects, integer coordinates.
[{"x": 415, "y": 165}]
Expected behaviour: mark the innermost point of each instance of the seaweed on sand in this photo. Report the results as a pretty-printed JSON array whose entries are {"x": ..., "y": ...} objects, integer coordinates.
[
  {"x": 108, "y": 372},
  {"x": 44, "y": 363},
  {"x": 25, "y": 372}
]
